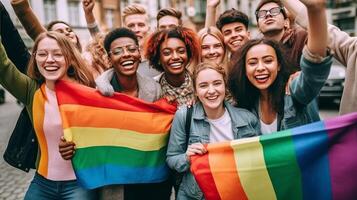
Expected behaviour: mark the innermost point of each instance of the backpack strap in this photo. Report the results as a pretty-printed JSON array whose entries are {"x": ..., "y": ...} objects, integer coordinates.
[{"x": 188, "y": 123}]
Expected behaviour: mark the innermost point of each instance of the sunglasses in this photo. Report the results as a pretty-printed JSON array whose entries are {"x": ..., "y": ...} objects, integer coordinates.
[{"x": 273, "y": 12}]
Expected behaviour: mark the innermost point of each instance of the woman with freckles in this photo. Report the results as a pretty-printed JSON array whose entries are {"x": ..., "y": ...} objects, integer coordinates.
[
  {"x": 259, "y": 77},
  {"x": 213, "y": 120}
]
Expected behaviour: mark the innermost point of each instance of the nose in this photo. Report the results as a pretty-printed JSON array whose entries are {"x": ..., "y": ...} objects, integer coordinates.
[
  {"x": 211, "y": 50},
  {"x": 260, "y": 67},
  {"x": 136, "y": 28},
  {"x": 175, "y": 55},
  {"x": 211, "y": 89},
  {"x": 50, "y": 58}
]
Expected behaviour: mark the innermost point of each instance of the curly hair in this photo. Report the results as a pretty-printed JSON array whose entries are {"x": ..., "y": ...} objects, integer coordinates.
[
  {"x": 155, "y": 40},
  {"x": 99, "y": 56},
  {"x": 77, "y": 70},
  {"x": 247, "y": 94},
  {"x": 231, "y": 16},
  {"x": 118, "y": 33}
]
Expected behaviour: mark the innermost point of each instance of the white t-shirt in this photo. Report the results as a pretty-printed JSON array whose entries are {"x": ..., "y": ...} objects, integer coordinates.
[
  {"x": 269, "y": 128},
  {"x": 221, "y": 128}
]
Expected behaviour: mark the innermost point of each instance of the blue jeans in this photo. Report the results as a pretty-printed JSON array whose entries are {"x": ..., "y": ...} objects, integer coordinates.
[{"x": 42, "y": 188}]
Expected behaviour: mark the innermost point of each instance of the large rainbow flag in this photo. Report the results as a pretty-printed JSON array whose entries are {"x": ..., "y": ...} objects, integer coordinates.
[
  {"x": 119, "y": 140},
  {"x": 317, "y": 161}
]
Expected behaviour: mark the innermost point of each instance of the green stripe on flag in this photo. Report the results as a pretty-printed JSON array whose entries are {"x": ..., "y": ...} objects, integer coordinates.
[
  {"x": 283, "y": 169},
  {"x": 101, "y": 155}
]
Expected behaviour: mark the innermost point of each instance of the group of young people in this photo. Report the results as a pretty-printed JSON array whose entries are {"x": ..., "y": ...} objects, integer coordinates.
[{"x": 235, "y": 86}]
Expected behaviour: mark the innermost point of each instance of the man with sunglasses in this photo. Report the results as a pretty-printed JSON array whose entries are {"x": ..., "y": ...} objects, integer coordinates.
[{"x": 273, "y": 23}]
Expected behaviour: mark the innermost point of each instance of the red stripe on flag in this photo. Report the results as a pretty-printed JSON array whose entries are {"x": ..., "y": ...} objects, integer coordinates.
[
  {"x": 69, "y": 93},
  {"x": 202, "y": 172}
]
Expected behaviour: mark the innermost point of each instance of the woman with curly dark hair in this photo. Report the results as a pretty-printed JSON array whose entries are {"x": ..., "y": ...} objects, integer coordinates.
[
  {"x": 174, "y": 52},
  {"x": 258, "y": 78}
]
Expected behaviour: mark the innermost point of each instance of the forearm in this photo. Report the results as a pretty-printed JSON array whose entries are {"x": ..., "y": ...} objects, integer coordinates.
[
  {"x": 210, "y": 16},
  {"x": 13, "y": 44},
  {"x": 28, "y": 18},
  {"x": 317, "y": 29}
]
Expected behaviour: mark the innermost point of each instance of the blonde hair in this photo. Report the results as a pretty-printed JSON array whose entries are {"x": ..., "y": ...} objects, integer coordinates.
[
  {"x": 134, "y": 9},
  {"x": 77, "y": 69},
  {"x": 215, "y": 32}
]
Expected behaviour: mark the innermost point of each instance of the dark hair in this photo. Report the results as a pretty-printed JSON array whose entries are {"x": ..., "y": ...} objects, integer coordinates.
[
  {"x": 154, "y": 42},
  {"x": 118, "y": 33},
  {"x": 52, "y": 23},
  {"x": 169, "y": 12},
  {"x": 231, "y": 16},
  {"x": 244, "y": 92},
  {"x": 263, "y": 2}
]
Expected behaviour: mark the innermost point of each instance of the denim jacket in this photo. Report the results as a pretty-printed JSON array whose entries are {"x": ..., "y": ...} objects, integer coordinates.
[
  {"x": 301, "y": 106},
  {"x": 244, "y": 124}
]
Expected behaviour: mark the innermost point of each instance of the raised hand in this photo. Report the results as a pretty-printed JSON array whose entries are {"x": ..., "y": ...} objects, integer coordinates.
[
  {"x": 213, "y": 3},
  {"x": 314, "y": 4},
  {"x": 88, "y": 6}
]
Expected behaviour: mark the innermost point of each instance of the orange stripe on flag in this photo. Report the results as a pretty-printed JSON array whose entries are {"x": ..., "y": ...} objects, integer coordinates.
[
  {"x": 117, "y": 119},
  {"x": 221, "y": 162},
  {"x": 38, "y": 111}
]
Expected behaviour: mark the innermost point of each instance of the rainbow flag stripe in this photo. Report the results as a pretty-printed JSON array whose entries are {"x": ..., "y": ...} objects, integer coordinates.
[
  {"x": 119, "y": 140},
  {"x": 317, "y": 161}
]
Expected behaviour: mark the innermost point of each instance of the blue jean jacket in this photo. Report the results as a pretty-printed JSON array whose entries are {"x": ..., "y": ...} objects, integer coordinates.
[
  {"x": 301, "y": 106},
  {"x": 244, "y": 124}
]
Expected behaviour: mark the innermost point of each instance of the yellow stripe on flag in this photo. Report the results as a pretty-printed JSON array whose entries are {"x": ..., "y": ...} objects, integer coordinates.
[
  {"x": 88, "y": 137},
  {"x": 251, "y": 168}
]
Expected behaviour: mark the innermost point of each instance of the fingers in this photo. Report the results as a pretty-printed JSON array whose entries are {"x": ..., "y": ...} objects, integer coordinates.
[
  {"x": 196, "y": 148},
  {"x": 66, "y": 149}
]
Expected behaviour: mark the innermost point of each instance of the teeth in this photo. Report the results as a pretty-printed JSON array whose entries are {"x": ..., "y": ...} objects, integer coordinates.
[
  {"x": 262, "y": 76},
  {"x": 212, "y": 97},
  {"x": 236, "y": 42},
  {"x": 129, "y": 62},
  {"x": 175, "y": 64},
  {"x": 51, "y": 68}
]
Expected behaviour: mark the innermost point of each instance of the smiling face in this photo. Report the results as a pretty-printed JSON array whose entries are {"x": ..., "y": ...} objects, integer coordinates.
[
  {"x": 125, "y": 56},
  {"x": 261, "y": 66},
  {"x": 50, "y": 60},
  {"x": 210, "y": 89},
  {"x": 235, "y": 35},
  {"x": 212, "y": 49},
  {"x": 269, "y": 22},
  {"x": 65, "y": 30},
  {"x": 173, "y": 56}
]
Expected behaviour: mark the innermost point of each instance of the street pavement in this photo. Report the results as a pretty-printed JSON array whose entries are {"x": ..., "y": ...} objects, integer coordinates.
[{"x": 14, "y": 182}]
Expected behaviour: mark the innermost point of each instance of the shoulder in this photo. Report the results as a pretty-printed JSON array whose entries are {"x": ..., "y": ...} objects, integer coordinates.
[{"x": 241, "y": 113}]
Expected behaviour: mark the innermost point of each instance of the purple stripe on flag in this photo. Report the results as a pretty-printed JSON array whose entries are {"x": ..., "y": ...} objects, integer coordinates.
[{"x": 342, "y": 155}]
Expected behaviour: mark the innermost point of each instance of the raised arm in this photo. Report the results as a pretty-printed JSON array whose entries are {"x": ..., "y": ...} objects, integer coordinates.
[
  {"x": 13, "y": 44},
  {"x": 317, "y": 28},
  {"x": 297, "y": 9},
  {"x": 28, "y": 18},
  {"x": 211, "y": 12},
  {"x": 92, "y": 25},
  {"x": 17, "y": 83}
]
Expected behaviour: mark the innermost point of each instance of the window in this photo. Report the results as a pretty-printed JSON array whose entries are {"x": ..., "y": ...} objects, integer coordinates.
[
  {"x": 109, "y": 18},
  {"x": 50, "y": 10},
  {"x": 73, "y": 12}
]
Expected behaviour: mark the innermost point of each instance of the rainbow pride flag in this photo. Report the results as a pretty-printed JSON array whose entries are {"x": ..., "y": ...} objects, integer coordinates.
[
  {"x": 119, "y": 140},
  {"x": 317, "y": 161}
]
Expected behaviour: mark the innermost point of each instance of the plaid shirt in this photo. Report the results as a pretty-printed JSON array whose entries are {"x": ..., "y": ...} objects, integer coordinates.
[{"x": 182, "y": 94}]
